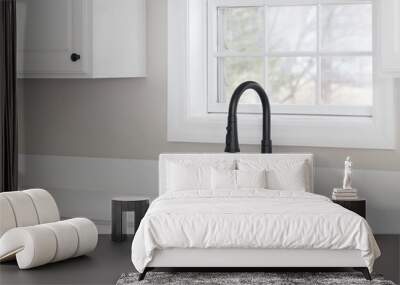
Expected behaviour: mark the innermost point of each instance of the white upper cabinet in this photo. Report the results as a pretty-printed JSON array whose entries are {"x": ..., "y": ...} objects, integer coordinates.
[
  {"x": 389, "y": 36},
  {"x": 81, "y": 38}
]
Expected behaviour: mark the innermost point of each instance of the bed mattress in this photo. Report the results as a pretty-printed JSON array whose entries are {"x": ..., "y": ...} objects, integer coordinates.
[{"x": 250, "y": 219}]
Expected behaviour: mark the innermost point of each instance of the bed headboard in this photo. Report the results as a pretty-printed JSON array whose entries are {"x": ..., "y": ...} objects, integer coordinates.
[{"x": 164, "y": 158}]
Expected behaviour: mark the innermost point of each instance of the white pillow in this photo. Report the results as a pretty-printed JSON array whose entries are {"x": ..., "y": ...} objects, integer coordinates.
[
  {"x": 188, "y": 177},
  {"x": 282, "y": 174},
  {"x": 236, "y": 179},
  {"x": 223, "y": 179},
  {"x": 251, "y": 178}
]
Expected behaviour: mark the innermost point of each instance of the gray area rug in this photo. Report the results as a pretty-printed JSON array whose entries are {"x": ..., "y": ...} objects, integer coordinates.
[{"x": 269, "y": 278}]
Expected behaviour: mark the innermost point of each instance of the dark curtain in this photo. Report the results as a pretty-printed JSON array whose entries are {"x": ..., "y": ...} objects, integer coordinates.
[{"x": 8, "y": 100}]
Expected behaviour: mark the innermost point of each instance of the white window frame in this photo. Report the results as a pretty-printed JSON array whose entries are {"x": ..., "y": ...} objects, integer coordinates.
[
  {"x": 190, "y": 121},
  {"x": 214, "y": 54}
]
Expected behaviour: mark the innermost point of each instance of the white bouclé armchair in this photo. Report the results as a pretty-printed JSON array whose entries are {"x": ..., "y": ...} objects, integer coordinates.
[{"x": 31, "y": 231}]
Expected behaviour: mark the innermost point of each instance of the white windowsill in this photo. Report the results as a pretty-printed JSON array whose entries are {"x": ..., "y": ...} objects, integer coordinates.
[{"x": 286, "y": 130}]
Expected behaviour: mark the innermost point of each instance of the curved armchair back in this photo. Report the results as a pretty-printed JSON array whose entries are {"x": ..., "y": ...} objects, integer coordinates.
[{"x": 26, "y": 208}]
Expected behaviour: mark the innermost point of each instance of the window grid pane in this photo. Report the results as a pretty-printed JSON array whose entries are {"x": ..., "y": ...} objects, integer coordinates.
[
  {"x": 346, "y": 80},
  {"x": 292, "y": 28},
  {"x": 292, "y": 80},
  {"x": 234, "y": 71},
  {"x": 241, "y": 29},
  {"x": 346, "y": 27}
]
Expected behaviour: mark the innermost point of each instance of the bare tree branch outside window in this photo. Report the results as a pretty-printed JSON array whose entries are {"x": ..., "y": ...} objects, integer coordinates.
[{"x": 278, "y": 47}]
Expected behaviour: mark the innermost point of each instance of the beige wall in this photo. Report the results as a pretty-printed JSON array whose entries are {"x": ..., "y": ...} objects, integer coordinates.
[{"x": 126, "y": 118}]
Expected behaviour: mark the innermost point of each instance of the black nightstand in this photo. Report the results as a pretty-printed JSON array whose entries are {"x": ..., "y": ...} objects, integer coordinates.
[
  {"x": 358, "y": 206},
  {"x": 139, "y": 205}
]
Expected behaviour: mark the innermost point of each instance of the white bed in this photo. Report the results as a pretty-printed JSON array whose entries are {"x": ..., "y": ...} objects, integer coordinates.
[{"x": 248, "y": 227}]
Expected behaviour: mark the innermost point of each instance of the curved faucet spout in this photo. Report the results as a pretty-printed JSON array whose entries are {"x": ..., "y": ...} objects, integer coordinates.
[{"x": 232, "y": 141}]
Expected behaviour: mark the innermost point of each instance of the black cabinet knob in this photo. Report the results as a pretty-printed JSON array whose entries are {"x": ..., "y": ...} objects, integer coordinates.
[{"x": 75, "y": 57}]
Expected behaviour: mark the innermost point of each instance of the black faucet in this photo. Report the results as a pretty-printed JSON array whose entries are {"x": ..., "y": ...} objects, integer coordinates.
[{"x": 232, "y": 142}]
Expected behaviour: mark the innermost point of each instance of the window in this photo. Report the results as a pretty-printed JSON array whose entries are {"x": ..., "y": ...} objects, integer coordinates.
[
  {"x": 312, "y": 57},
  {"x": 322, "y": 71}
]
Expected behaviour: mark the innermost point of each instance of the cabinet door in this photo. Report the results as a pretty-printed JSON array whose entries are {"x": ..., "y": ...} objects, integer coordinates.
[
  {"x": 389, "y": 32},
  {"x": 48, "y": 33}
]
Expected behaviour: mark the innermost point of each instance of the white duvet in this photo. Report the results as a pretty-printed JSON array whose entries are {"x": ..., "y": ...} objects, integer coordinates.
[{"x": 250, "y": 218}]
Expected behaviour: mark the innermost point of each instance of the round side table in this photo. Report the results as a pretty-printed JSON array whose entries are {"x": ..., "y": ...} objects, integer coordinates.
[{"x": 119, "y": 205}]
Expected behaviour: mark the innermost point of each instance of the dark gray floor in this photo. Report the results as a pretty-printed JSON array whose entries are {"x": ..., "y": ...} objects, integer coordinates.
[
  {"x": 103, "y": 266},
  {"x": 110, "y": 260},
  {"x": 389, "y": 262}
]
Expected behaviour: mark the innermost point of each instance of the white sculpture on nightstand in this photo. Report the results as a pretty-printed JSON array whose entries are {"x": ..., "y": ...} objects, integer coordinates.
[{"x": 347, "y": 174}]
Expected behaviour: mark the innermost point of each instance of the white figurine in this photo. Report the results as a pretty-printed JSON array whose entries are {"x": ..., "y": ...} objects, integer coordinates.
[{"x": 347, "y": 174}]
